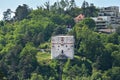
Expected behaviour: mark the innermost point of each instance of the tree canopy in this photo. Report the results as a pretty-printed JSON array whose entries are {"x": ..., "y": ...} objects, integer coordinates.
[{"x": 25, "y": 44}]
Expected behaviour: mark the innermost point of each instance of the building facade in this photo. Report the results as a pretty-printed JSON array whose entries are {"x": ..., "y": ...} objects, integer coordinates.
[
  {"x": 112, "y": 12},
  {"x": 62, "y": 47},
  {"x": 107, "y": 17},
  {"x": 102, "y": 22}
]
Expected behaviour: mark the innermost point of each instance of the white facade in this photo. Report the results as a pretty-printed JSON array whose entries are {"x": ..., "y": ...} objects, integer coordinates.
[
  {"x": 109, "y": 11},
  {"x": 62, "y": 47},
  {"x": 101, "y": 21},
  {"x": 112, "y": 12}
]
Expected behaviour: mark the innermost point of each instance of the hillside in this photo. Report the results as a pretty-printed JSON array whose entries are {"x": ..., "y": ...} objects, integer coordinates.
[{"x": 22, "y": 38}]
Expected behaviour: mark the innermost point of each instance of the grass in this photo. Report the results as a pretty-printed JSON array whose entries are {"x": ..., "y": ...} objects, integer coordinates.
[{"x": 43, "y": 57}]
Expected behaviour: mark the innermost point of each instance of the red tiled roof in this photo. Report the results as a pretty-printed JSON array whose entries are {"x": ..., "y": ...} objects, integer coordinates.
[{"x": 79, "y": 18}]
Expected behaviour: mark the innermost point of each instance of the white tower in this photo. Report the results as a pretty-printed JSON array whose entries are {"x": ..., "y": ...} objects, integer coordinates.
[{"x": 62, "y": 47}]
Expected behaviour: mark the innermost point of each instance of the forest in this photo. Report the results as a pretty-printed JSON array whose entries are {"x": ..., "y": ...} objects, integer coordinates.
[{"x": 25, "y": 43}]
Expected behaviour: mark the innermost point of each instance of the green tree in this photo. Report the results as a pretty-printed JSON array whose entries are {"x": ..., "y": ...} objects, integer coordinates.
[
  {"x": 118, "y": 30},
  {"x": 113, "y": 38},
  {"x": 112, "y": 47},
  {"x": 60, "y": 30},
  {"x": 93, "y": 11},
  {"x": 1, "y": 23},
  {"x": 7, "y": 15},
  {"x": 47, "y": 5},
  {"x": 36, "y": 76},
  {"x": 113, "y": 73},
  {"x": 116, "y": 58},
  {"x": 89, "y": 22},
  {"x": 68, "y": 21},
  {"x": 72, "y": 4},
  {"x": 48, "y": 31},
  {"x": 74, "y": 11},
  {"x": 2, "y": 76},
  {"x": 51, "y": 78},
  {"x": 22, "y": 12},
  {"x": 89, "y": 10},
  {"x": 102, "y": 61},
  {"x": 28, "y": 62},
  {"x": 84, "y": 7},
  {"x": 88, "y": 43},
  {"x": 11, "y": 60},
  {"x": 63, "y": 4},
  {"x": 96, "y": 76},
  {"x": 57, "y": 19},
  {"x": 72, "y": 72}
]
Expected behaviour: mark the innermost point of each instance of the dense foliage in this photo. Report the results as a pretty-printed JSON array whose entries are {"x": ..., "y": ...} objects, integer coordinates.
[{"x": 25, "y": 45}]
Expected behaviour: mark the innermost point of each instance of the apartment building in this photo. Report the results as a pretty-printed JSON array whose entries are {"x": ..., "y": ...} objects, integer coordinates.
[
  {"x": 107, "y": 16},
  {"x": 112, "y": 12},
  {"x": 102, "y": 22}
]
